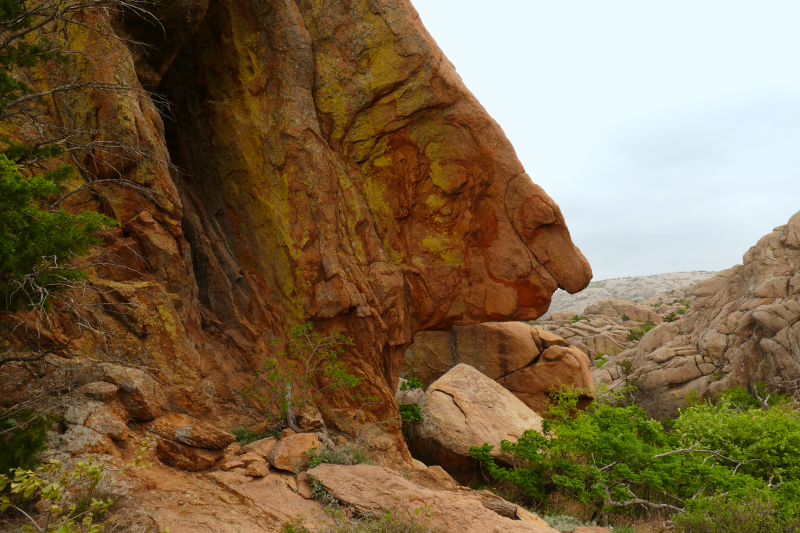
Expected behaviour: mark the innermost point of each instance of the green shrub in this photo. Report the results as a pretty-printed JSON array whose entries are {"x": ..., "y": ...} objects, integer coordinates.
[
  {"x": 36, "y": 245},
  {"x": 346, "y": 454},
  {"x": 601, "y": 362},
  {"x": 767, "y": 443},
  {"x": 617, "y": 460},
  {"x": 577, "y": 318},
  {"x": 26, "y": 436},
  {"x": 636, "y": 334},
  {"x": 245, "y": 435},
  {"x": 681, "y": 311},
  {"x": 672, "y": 316},
  {"x": 411, "y": 413},
  {"x": 625, "y": 318},
  {"x": 402, "y": 519},
  {"x": 754, "y": 513}
]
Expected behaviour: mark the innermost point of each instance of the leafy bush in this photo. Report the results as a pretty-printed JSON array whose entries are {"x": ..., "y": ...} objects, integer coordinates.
[
  {"x": 742, "y": 514},
  {"x": 625, "y": 317},
  {"x": 766, "y": 443},
  {"x": 51, "y": 485},
  {"x": 410, "y": 413},
  {"x": 601, "y": 362},
  {"x": 577, "y": 318},
  {"x": 681, "y": 311},
  {"x": 616, "y": 459},
  {"x": 636, "y": 334},
  {"x": 672, "y": 316},
  {"x": 23, "y": 434},
  {"x": 307, "y": 371}
]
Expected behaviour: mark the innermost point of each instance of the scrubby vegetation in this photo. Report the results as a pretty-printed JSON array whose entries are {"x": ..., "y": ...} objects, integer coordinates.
[
  {"x": 636, "y": 334},
  {"x": 400, "y": 520},
  {"x": 733, "y": 461},
  {"x": 305, "y": 372}
]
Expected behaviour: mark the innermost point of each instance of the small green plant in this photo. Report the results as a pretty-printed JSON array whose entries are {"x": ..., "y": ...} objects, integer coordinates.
[
  {"x": 402, "y": 519},
  {"x": 245, "y": 435},
  {"x": 307, "y": 371},
  {"x": 410, "y": 413},
  {"x": 681, "y": 311},
  {"x": 601, "y": 362},
  {"x": 344, "y": 454},
  {"x": 577, "y": 318},
  {"x": 672, "y": 316},
  {"x": 38, "y": 247},
  {"x": 625, "y": 317}
]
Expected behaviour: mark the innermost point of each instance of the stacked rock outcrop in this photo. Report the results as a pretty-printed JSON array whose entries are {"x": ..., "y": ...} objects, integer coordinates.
[
  {"x": 743, "y": 327},
  {"x": 530, "y": 362}
]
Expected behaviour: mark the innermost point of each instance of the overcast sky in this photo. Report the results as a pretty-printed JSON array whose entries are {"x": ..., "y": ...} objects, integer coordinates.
[{"x": 667, "y": 131}]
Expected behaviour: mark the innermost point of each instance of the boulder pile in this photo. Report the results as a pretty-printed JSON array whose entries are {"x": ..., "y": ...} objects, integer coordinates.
[
  {"x": 743, "y": 327},
  {"x": 528, "y": 361}
]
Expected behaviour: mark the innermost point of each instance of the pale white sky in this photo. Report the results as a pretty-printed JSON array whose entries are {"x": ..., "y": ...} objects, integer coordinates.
[{"x": 667, "y": 131}]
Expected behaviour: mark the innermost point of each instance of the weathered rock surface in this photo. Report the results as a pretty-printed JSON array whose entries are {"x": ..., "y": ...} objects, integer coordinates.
[
  {"x": 742, "y": 327},
  {"x": 186, "y": 457},
  {"x": 634, "y": 289},
  {"x": 372, "y": 489},
  {"x": 528, "y": 361},
  {"x": 464, "y": 408},
  {"x": 138, "y": 392},
  {"x": 191, "y": 432},
  {"x": 558, "y": 368},
  {"x": 99, "y": 390},
  {"x": 262, "y": 447},
  {"x": 289, "y": 452}
]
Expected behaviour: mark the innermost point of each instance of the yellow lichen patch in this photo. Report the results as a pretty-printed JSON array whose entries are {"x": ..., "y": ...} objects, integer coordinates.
[
  {"x": 442, "y": 247},
  {"x": 435, "y": 202}
]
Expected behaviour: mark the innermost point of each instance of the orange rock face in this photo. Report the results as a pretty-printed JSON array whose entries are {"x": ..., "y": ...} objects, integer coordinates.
[{"x": 331, "y": 166}]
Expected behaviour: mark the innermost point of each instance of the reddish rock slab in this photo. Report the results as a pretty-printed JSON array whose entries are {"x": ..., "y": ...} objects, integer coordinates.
[
  {"x": 191, "y": 432},
  {"x": 186, "y": 457}
]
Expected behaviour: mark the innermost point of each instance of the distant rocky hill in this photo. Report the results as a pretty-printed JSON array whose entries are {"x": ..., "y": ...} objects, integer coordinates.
[{"x": 633, "y": 288}]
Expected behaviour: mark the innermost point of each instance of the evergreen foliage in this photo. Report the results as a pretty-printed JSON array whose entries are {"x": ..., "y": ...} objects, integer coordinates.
[
  {"x": 36, "y": 245},
  {"x": 22, "y": 436}
]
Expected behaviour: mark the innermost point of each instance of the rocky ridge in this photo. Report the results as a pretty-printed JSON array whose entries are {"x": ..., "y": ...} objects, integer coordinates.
[{"x": 634, "y": 289}]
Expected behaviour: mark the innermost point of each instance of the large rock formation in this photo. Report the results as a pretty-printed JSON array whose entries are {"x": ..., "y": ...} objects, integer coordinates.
[
  {"x": 323, "y": 161},
  {"x": 743, "y": 327}
]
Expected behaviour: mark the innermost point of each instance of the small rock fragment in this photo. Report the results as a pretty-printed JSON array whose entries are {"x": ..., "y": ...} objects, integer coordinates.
[
  {"x": 257, "y": 469},
  {"x": 262, "y": 447},
  {"x": 303, "y": 486},
  {"x": 99, "y": 390}
]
